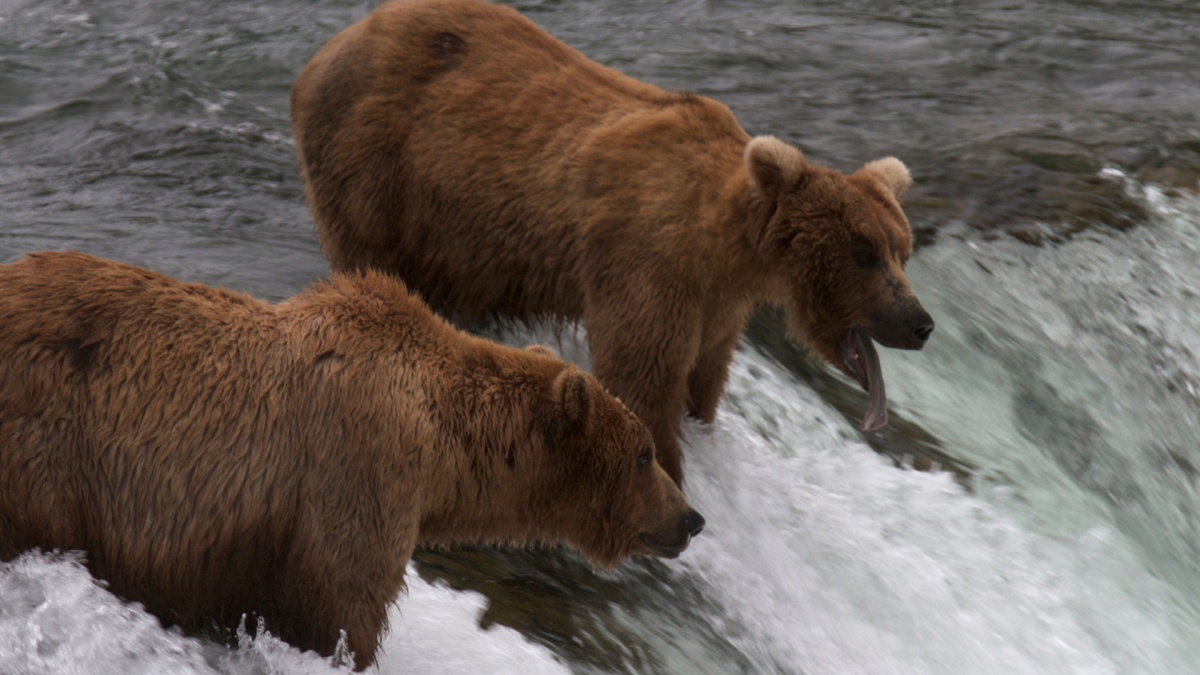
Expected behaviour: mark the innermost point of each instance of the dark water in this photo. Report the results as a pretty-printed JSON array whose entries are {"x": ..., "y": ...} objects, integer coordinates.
[{"x": 1056, "y": 152}]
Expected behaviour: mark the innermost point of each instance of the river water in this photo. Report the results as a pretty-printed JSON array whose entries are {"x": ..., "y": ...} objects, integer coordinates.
[{"x": 1034, "y": 505}]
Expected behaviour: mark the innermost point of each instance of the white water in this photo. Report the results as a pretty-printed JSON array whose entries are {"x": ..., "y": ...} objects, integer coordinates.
[
  {"x": 55, "y": 620},
  {"x": 1071, "y": 556}
]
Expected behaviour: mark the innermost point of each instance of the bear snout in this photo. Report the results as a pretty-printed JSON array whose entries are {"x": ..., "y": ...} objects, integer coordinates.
[
  {"x": 674, "y": 539},
  {"x": 908, "y": 328},
  {"x": 693, "y": 522},
  {"x": 921, "y": 328}
]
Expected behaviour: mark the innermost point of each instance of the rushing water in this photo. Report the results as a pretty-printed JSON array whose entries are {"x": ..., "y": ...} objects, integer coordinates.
[{"x": 1056, "y": 148}]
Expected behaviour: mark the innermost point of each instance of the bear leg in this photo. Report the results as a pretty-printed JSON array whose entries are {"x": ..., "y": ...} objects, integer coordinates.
[
  {"x": 706, "y": 382},
  {"x": 648, "y": 369}
]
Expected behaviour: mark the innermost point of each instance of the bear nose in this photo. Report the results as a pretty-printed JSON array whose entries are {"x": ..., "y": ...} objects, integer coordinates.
[
  {"x": 923, "y": 328},
  {"x": 693, "y": 522}
]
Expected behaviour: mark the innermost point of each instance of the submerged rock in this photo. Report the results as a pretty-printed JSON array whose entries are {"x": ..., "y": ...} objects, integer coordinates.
[
  {"x": 1048, "y": 194},
  {"x": 1034, "y": 204}
]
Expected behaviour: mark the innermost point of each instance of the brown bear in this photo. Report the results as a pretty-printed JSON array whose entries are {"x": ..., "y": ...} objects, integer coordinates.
[
  {"x": 215, "y": 455},
  {"x": 498, "y": 171}
]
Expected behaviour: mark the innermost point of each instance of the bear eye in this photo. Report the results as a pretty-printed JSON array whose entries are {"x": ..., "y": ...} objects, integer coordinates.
[
  {"x": 866, "y": 258},
  {"x": 645, "y": 459}
]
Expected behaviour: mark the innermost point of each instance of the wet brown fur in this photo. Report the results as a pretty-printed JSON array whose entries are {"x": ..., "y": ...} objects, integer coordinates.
[
  {"x": 497, "y": 170},
  {"x": 216, "y": 455}
]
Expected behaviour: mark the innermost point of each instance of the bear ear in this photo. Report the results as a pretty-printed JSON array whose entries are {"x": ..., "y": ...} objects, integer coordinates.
[
  {"x": 891, "y": 172},
  {"x": 543, "y": 350},
  {"x": 773, "y": 165},
  {"x": 571, "y": 393}
]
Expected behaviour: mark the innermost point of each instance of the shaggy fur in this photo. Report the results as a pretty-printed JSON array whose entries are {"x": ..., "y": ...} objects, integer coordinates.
[
  {"x": 215, "y": 455},
  {"x": 499, "y": 171}
]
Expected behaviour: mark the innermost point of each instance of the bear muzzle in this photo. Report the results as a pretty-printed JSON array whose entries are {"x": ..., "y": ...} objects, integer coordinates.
[
  {"x": 671, "y": 543},
  {"x": 906, "y": 326}
]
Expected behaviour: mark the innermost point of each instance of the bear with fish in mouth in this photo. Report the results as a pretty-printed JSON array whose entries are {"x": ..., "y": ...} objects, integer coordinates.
[
  {"x": 500, "y": 172},
  {"x": 216, "y": 456}
]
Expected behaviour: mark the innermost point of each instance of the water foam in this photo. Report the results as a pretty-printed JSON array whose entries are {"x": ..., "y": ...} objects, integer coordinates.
[
  {"x": 843, "y": 563},
  {"x": 55, "y": 619},
  {"x": 823, "y": 557},
  {"x": 1069, "y": 373}
]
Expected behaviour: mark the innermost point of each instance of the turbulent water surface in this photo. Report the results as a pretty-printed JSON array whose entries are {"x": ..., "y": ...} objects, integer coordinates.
[{"x": 1056, "y": 149}]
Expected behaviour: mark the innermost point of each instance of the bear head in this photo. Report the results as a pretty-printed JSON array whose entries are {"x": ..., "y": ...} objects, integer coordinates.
[
  {"x": 837, "y": 245},
  {"x": 610, "y": 496}
]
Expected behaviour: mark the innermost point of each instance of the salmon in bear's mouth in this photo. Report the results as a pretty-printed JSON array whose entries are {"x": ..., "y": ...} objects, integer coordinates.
[{"x": 858, "y": 353}]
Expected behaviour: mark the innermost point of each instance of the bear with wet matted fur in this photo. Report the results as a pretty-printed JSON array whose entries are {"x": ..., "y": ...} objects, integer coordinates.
[
  {"x": 499, "y": 171},
  {"x": 215, "y": 455}
]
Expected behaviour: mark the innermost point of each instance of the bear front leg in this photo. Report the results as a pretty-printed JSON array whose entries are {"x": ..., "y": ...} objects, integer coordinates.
[
  {"x": 322, "y": 600},
  {"x": 706, "y": 382},
  {"x": 354, "y": 600},
  {"x": 642, "y": 354},
  {"x": 347, "y": 566}
]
